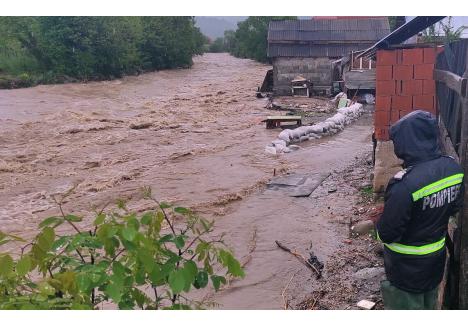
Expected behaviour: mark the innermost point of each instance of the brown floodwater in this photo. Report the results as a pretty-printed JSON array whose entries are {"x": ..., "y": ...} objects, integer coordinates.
[{"x": 195, "y": 136}]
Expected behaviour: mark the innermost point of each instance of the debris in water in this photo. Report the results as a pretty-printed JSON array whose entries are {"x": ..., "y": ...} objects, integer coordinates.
[
  {"x": 313, "y": 260},
  {"x": 143, "y": 125},
  {"x": 300, "y": 258}
]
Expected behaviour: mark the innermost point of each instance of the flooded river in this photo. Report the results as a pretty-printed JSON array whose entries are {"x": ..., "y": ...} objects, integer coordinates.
[{"x": 195, "y": 136}]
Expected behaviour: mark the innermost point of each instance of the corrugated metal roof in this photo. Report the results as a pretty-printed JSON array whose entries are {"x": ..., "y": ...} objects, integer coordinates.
[
  {"x": 316, "y": 50},
  {"x": 371, "y": 29}
]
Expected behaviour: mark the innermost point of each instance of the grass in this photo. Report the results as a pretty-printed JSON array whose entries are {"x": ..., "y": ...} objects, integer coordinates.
[{"x": 367, "y": 193}]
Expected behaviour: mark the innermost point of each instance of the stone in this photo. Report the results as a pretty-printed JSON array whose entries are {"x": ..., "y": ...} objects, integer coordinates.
[
  {"x": 362, "y": 227},
  {"x": 386, "y": 165},
  {"x": 370, "y": 274},
  {"x": 366, "y": 304}
]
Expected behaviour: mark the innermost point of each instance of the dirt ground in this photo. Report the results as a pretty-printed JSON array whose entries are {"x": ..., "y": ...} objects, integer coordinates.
[{"x": 196, "y": 137}]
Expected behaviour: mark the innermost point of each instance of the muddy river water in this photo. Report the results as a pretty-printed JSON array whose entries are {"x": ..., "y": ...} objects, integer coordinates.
[{"x": 195, "y": 136}]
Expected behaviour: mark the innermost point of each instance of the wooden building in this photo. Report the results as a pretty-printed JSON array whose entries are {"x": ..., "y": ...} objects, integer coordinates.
[{"x": 309, "y": 47}]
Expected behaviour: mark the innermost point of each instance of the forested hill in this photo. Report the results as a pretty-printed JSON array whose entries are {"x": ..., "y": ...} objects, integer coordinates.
[{"x": 52, "y": 49}]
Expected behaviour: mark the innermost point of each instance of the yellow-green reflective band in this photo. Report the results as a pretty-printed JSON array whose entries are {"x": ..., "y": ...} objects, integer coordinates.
[
  {"x": 437, "y": 186},
  {"x": 416, "y": 250}
]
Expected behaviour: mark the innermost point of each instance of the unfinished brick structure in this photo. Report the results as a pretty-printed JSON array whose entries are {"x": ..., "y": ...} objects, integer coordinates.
[{"x": 404, "y": 82}]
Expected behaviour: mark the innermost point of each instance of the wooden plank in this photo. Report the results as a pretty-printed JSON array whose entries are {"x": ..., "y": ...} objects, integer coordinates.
[
  {"x": 446, "y": 142},
  {"x": 453, "y": 81},
  {"x": 284, "y": 117}
]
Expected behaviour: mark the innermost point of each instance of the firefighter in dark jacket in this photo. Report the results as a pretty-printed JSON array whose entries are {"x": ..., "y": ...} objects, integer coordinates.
[{"x": 418, "y": 203}]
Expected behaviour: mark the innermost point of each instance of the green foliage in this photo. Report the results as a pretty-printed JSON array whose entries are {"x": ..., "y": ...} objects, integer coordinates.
[
  {"x": 134, "y": 261},
  {"x": 444, "y": 32},
  {"x": 451, "y": 34},
  {"x": 250, "y": 38},
  {"x": 87, "y": 48},
  {"x": 217, "y": 46},
  {"x": 396, "y": 21}
]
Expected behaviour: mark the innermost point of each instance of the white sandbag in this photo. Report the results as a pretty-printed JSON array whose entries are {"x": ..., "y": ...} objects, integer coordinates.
[
  {"x": 285, "y": 135},
  {"x": 280, "y": 148},
  {"x": 279, "y": 142},
  {"x": 270, "y": 150},
  {"x": 369, "y": 98},
  {"x": 330, "y": 126}
]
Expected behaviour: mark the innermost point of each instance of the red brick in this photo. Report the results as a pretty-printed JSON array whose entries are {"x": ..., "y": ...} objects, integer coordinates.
[
  {"x": 381, "y": 118},
  {"x": 399, "y": 57},
  {"x": 386, "y": 58},
  {"x": 401, "y": 102},
  {"x": 424, "y": 71},
  {"x": 383, "y": 102},
  {"x": 412, "y": 56},
  {"x": 384, "y": 73},
  {"x": 423, "y": 102},
  {"x": 385, "y": 87},
  {"x": 382, "y": 133},
  {"x": 394, "y": 116},
  {"x": 404, "y": 112},
  {"x": 430, "y": 55},
  {"x": 402, "y": 72},
  {"x": 411, "y": 87},
  {"x": 429, "y": 87}
]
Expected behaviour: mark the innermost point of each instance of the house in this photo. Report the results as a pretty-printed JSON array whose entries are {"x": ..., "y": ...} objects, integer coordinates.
[{"x": 308, "y": 48}]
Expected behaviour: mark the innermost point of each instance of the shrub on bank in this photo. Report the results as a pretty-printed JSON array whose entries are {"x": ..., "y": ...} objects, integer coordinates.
[{"x": 130, "y": 260}]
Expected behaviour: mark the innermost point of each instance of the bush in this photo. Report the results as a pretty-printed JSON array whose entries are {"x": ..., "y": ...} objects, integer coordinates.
[{"x": 144, "y": 261}]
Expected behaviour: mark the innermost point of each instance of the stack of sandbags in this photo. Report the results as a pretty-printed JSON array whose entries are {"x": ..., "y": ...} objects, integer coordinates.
[{"x": 331, "y": 126}]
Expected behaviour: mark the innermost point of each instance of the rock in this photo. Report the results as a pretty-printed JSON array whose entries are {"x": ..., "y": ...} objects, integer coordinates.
[
  {"x": 370, "y": 274},
  {"x": 365, "y": 184},
  {"x": 331, "y": 189},
  {"x": 294, "y": 147},
  {"x": 363, "y": 227},
  {"x": 366, "y": 304}
]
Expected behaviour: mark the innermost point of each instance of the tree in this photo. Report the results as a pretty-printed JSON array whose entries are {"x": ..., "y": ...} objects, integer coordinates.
[
  {"x": 250, "y": 38},
  {"x": 97, "y": 47},
  {"x": 396, "y": 21},
  {"x": 217, "y": 46}
]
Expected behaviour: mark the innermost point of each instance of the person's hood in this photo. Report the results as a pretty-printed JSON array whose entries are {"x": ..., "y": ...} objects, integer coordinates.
[{"x": 416, "y": 138}]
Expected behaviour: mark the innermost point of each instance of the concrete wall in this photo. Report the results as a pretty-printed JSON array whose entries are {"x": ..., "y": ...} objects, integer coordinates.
[
  {"x": 317, "y": 70},
  {"x": 386, "y": 165}
]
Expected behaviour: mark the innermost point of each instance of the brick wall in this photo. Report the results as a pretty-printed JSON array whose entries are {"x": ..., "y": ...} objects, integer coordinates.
[{"x": 404, "y": 82}]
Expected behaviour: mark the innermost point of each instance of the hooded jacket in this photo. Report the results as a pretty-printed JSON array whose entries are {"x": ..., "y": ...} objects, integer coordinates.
[{"x": 418, "y": 203}]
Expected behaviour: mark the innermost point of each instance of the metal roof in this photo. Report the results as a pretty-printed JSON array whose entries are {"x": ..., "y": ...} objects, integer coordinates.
[
  {"x": 324, "y": 37},
  {"x": 369, "y": 29},
  {"x": 403, "y": 33}
]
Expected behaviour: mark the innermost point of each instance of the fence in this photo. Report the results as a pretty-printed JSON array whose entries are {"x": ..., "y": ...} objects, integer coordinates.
[{"x": 450, "y": 74}]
